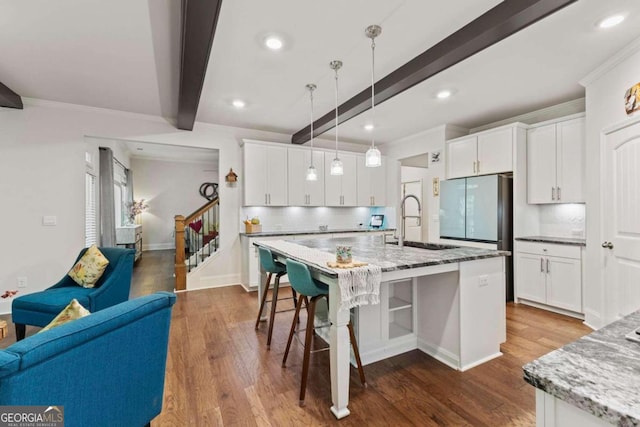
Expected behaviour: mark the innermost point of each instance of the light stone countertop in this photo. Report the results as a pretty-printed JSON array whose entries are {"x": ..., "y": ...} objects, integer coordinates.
[
  {"x": 599, "y": 373},
  {"x": 573, "y": 241},
  {"x": 388, "y": 257}
]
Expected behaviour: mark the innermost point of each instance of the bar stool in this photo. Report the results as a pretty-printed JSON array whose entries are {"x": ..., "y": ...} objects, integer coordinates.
[
  {"x": 272, "y": 267},
  {"x": 301, "y": 280}
]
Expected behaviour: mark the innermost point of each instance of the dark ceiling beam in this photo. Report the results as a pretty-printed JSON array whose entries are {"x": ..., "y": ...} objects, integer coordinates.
[
  {"x": 497, "y": 24},
  {"x": 9, "y": 98},
  {"x": 199, "y": 20}
]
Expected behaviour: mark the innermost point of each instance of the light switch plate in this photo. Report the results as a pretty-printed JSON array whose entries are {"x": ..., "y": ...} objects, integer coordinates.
[{"x": 49, "y": 220}]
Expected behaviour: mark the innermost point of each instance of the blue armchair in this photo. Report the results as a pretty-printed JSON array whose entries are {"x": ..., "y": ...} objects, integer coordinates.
[
  {"x": 105, "y": 369},
  {"x": 40, "y": 308}
]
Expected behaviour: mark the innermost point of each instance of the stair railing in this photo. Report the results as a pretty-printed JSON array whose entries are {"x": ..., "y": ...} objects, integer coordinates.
[{"x": 197, "y": 237}]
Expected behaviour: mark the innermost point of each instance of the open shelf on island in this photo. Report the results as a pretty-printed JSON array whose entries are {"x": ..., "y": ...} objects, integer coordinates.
[
  {"x": 396, "y": 330},
  {"x": 396, "y": 303}
]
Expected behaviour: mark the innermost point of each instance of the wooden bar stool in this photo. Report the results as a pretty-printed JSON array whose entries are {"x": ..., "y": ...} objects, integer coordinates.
[
  {"x": 301, "y": 280},
  {"x": 272, "y": 267}
]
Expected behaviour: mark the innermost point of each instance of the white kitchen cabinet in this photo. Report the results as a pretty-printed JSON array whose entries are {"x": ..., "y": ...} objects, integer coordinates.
[
  {"x": 265, "y": 175},
  {"x": 301, "y": 191},
  {"x": 549, "y": 274},
  {"x": 555, "y": 162},
  {"x": 371, "y": 183},
  {"x": 483, "y": 153},
  {"x": 340, "y": 190}
]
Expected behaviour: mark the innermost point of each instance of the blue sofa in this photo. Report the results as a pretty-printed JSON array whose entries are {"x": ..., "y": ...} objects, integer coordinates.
[
  {"x": 40, "y": 308},
  {"x": 105, "y": 369}
]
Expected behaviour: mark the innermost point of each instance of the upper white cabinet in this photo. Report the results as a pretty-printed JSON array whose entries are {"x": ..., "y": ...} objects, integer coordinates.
[
  {"x": 372, "y": 183},
  {"x": 301, "y": 191},
  {"x": 555, "y": 162},
  {"x": 340, "y": 190},
  {"x": 265, "y": 175},
  {"x": 482, "y": 153}
]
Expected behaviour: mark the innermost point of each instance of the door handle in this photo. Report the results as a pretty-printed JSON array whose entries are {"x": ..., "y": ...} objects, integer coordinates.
[
  {"x": 541, "y": 265},
  {"x": 474, "y": 167},
  {"x": 553, "y": 193},
  {"x": 265, "y": 198},
  {"x": 558, "y": 192},
  {"x": 478, "y": 166},
  {"x": 607, "y": 245},
  {"x": 548, "y": 271}
]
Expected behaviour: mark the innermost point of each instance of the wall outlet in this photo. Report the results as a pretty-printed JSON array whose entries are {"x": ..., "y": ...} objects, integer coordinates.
[
  {"x": 483, "y": 280},
  {"x": 22, "y": 282},
  {"x": 577, "y": 232},
  {"x": 49, "y": 220}
]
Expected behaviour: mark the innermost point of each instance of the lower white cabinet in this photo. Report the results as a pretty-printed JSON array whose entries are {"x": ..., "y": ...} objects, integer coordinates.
[{"x": 549, "y": 274}]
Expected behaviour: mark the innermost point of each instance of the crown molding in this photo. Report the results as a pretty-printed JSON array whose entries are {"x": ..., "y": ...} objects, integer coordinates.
[{"x": 611, "y": 63}]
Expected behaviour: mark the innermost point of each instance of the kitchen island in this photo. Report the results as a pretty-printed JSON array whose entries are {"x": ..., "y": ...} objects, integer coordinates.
[
  {"x": 594, "y": 381},
  {"x": 448, "y": 302}
]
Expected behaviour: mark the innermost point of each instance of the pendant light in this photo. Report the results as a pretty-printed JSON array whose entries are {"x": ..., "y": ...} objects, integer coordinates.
[
  {"x": 336, "y": 164},
  {"x": 373, "y": 158},
  {"x": 312, "y": 173}
]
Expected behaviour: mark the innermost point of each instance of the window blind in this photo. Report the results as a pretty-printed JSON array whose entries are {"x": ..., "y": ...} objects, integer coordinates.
[{"x": 90, "y": 224}]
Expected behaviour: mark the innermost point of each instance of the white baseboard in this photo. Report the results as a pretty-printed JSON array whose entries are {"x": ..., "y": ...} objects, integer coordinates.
[
  {"x": 214, "y": 281},
  {"x": 550, "y": 308},
  {"x": 158, "y": 247},
  {"x": 480, "y": 361},
  {"x": 438, "y": 353}
]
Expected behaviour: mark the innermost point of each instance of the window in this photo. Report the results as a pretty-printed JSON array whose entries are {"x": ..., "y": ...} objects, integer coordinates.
[
  {"x": 119, "y": 193},
  {"x": 90, "y": 221}
]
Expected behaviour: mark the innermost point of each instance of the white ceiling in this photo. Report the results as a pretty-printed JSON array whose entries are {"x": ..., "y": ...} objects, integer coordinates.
[{"x": 123, "y": 55}]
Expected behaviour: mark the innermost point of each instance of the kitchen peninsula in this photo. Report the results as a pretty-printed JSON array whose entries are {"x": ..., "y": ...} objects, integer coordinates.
[{"x": 446, "y": 301}]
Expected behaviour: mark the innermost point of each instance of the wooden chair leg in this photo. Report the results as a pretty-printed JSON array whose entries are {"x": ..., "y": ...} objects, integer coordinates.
[
  {"x": 274, "y": 303},
  {"x": 264, "y": 299},
  {"x": 20, "y": 331},
  {"x": 307, "y": 348},
  {"x": 293, "y": 329},
  {"x": 356, "y": 352}
]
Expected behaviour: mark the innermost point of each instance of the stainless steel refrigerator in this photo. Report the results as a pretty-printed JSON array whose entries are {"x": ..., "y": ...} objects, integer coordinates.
[{"x": 480, "y": 209}]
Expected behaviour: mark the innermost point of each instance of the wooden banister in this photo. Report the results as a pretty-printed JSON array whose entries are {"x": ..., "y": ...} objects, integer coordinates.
[
  {"x": 201, "y": 210},
  {"x": 181, "y": 223},
  {"x": 180, "y": 266}
]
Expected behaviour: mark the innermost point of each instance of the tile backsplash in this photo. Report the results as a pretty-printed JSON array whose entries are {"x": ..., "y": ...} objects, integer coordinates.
[
  {"x": 310, "y": 218},
  {"x": 562, "y": 220}
]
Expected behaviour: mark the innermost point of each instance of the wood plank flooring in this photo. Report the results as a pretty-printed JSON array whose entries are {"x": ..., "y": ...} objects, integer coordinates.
[{"x": 220, "y": 373}]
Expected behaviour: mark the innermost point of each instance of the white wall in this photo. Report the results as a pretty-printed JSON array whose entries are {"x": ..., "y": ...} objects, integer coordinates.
[
  {"x": 605, "y": 89},
  {"x": 42, "y": 170},
  {"x": 170, "y": 188}
]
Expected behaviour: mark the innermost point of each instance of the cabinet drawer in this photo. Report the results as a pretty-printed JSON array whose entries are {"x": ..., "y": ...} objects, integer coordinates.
[{"x": 549, "y": 249}]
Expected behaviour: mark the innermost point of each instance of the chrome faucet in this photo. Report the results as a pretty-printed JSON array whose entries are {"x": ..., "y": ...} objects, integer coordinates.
[{"x": 402, "y": 229}]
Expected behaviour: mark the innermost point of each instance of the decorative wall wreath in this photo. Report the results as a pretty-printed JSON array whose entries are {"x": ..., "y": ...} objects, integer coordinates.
[{"x": 209, "y": 190}]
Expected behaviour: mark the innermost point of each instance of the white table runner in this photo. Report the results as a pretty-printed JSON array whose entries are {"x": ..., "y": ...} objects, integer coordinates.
[{"x": 358, "y": 285}]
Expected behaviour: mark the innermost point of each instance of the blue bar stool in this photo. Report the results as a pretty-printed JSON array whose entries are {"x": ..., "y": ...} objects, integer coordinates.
[
  {"x": 301, "y": 280},
  {"x": 271, "y": 266}
]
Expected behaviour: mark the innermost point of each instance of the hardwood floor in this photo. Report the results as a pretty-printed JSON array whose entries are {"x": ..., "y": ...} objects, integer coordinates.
[{"x": 219, "y": 372}]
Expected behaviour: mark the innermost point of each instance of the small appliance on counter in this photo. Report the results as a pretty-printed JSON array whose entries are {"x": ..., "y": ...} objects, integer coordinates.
[{"x": 376, "y": 220}]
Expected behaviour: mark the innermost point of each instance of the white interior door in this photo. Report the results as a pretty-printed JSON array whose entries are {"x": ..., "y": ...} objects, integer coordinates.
[
  {"x": 620, "y": 220},
  {"x": 413, "y": 226}
]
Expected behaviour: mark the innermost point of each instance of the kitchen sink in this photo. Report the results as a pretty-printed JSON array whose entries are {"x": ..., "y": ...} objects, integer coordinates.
[{"x": 429, "y": 246}]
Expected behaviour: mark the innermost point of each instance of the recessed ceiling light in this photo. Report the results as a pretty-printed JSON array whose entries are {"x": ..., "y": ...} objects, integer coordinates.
[
  {"x": 611, "y": 21},
  {"x": 273, "y": 43},
  {"x": 368, "y": 127},
  {"x": 443, "y": 94},
  {"x": 238, "y": 103}
]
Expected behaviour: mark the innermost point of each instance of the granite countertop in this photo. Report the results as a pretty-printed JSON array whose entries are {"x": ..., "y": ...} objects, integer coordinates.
[
  {"x": 315, "y": 231},
  {"x": 388, "y": 257},
  {"x": 574, "y": 241},
  {"x": 599, "y": 373}
]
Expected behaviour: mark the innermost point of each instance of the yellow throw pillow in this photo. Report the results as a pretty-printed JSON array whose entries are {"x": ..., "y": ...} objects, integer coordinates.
[
  {"x": 89, "y": 268},
  {"x": 73, "y": 311}
]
